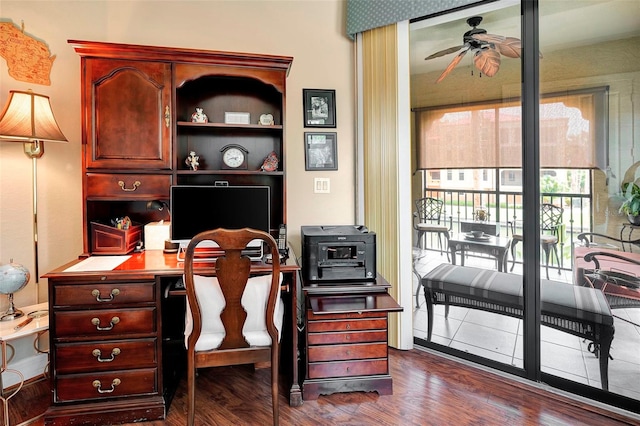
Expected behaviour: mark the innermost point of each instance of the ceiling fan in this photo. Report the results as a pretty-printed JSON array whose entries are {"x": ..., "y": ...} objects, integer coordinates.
[{"x": 486, "y": 47}]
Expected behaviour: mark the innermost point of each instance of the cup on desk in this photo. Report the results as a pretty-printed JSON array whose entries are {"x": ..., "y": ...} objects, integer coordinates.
[{"x": 477, "y": 234}]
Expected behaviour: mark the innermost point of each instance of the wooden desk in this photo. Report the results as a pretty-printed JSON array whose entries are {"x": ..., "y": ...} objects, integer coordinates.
[{"x": 117, "y": 343}]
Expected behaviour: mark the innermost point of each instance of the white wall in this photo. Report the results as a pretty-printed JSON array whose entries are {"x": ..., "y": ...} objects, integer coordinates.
[{"x": 310, "y": 31}]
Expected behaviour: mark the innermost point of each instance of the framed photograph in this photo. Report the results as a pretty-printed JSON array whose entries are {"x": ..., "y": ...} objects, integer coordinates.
[
  {"x": 237, "y": 118},
  {"x": 319, "y": 107},
  {"x": 320, "y": 151}
]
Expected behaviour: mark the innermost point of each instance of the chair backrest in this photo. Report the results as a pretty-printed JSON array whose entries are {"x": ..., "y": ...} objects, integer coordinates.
[
  {"x": 232, "y": 270},
  {"x": 429, "y": 209},
  {"x": 550, "y": 217}
]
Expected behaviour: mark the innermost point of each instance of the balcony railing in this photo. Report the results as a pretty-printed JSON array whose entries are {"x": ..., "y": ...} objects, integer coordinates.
[{"x": 505, "y": 209}]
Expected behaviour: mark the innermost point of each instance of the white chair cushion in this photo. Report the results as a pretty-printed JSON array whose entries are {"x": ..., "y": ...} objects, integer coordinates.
[{"x": 254, "y": 301}]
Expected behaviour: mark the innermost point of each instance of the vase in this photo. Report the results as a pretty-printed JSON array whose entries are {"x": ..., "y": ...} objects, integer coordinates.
[{"x": 634, "y": 220}]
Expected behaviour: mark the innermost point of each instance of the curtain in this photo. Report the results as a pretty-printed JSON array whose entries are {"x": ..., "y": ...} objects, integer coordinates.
[
  {"x": 488, "y": 134},
  {"x": 380, "y": 155}
]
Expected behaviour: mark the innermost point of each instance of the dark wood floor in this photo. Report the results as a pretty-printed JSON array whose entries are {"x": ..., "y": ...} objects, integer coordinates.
[{"x": 428, "y": 390}]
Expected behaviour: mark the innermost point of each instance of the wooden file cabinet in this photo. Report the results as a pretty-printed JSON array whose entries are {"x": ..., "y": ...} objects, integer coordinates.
[
  {"x": 346, "y": 343},
  {"x": 105, "y": 351}
]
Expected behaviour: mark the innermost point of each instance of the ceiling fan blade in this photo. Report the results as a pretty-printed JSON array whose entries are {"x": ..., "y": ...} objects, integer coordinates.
[
  {"x": 445, "y": 52},
  {"x": 508, "y": 46},
  {"x": 487, "y": 61},
  {"x": 452, "y": 65}
]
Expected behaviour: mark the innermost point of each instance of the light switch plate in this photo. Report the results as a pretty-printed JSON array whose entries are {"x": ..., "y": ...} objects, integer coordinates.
[{"x": 321, "y": 185}]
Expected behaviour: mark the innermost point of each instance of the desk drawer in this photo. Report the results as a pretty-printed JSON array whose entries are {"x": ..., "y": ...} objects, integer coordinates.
[
  {"x": 105, "y": 322},
  {"x": 106, "y": 385},
  {"x": 347, "y": 337},
  {"x": 344, "y": 315},
  {"x": 347, "y": 352},
  {"x": 127, "y": 186},
  {"x": 103, "y": 356},
  {"x": 103, "y": 294},
  {"x": 349, "y": 325},
  {"x": 321, "y": 370}
]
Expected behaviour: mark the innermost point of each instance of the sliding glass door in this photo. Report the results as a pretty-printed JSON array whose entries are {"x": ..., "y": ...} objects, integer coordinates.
[
  {"x": 526, "y": 128},
  {"x": 590, "y": 142},
  {"x": 465, "y": 96}
]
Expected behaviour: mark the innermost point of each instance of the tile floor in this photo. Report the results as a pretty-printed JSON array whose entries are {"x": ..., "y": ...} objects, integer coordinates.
[{"x": 499, "y": 337}]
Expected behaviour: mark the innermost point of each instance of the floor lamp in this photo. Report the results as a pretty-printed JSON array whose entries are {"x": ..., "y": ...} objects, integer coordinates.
[{"x": 28, "y": 118}]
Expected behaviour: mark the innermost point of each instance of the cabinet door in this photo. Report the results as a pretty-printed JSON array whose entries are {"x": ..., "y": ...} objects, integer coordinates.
[{"x": 127, "y": 108}]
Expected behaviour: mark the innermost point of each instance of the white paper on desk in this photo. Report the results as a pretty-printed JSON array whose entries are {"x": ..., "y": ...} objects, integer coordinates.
[{"x": 98, "y": 263}]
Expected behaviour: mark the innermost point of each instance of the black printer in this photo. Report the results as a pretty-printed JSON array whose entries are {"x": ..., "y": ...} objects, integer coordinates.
[{"x": 338, "y": 253}]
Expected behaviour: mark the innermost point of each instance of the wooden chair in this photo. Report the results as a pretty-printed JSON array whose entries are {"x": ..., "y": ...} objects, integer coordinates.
[
  {"x": 428, "y": 217},
  {"x": 550, "y": 226},
  {"x": 231, "y": 318}
]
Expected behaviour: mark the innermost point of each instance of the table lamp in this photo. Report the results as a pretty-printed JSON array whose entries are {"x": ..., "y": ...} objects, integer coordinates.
[{"x": 156, "y": 234}]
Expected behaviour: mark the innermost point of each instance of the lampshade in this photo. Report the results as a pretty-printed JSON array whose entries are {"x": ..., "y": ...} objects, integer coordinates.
[{"x": 28, "y": 118}]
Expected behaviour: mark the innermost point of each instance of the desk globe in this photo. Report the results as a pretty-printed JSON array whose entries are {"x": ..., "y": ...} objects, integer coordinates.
[{"x": 13, "y": 277}]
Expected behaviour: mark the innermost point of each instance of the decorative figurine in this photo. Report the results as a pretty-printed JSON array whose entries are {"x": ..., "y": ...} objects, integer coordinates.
[
  {"x": 199, "y": 116},
  {"x": 270, "y": 164},
  {"x": 192, "y": 161}
]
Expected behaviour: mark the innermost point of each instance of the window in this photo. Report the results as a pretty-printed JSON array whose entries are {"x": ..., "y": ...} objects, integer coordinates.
[{"x": 488, "y": 134}]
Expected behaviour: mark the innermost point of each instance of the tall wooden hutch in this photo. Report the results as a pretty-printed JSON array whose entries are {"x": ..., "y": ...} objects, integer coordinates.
[{"x": 137, "y": 103}]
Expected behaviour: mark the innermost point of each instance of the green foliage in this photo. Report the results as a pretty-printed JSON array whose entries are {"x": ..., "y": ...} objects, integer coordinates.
[
  {"x": 631, "y": 194},
  {"x": 550, "y": 185}
]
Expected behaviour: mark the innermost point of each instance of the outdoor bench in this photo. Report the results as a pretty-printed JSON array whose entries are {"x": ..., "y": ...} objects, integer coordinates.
[{"x": 577, "y": 310}]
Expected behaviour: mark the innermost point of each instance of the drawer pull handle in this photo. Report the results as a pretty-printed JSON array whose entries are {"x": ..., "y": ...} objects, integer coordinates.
[
  {"x": 114, "y": 352},
  {"x": 98, "y": 385},
  {"x": 96, "y": 293},
  {"x": 348, "y": 326},
  {"x": 96, "y": 322},
  {"x": 136, "y": 184}
]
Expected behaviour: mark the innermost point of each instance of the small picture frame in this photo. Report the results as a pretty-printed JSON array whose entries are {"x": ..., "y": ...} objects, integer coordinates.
[
  {"x": 237, "y": 118},
  {"x": 320, "y": 151},
  {"x": 319, "y": 107}
]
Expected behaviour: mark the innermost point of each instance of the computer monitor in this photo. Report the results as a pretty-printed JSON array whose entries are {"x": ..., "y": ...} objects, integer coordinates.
[{"x": 197, "y": 208}]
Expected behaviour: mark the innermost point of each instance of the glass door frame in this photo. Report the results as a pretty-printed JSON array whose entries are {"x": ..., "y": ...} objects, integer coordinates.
[{"x": 530, "y": 104}]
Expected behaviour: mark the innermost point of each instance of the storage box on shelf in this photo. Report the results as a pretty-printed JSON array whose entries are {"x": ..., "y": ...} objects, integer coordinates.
[{"x": 107, "y": 239}]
